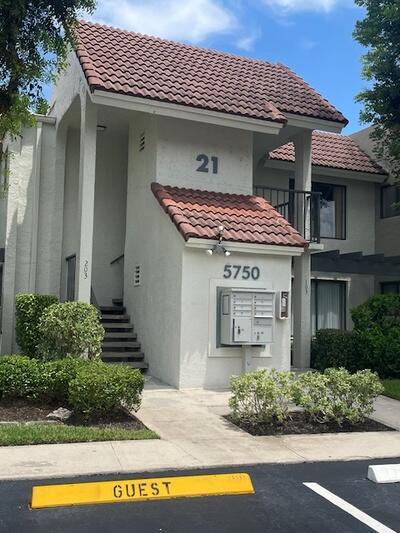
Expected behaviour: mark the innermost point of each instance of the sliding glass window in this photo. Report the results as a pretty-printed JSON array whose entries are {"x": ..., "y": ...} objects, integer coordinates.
[{"x": 328, "y": 305}]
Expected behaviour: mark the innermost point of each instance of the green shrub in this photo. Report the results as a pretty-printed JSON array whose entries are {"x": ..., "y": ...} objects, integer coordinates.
[
  {"x": 57, "y": 375},
  {"x": 336, "y": 348},
  {"x": 261, "y": 396},
  {"x": 336, "y": 395},
  {"x": 29, "y": 309},
  {"x": 100, "y": 388},
  {"x": 20, "y": 378},
  {"x": 377, "y": 323},
  {"x": 70, "y": 329}
]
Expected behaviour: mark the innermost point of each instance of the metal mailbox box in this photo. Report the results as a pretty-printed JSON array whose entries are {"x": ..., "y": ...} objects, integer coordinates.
[{"x": 246, "y": 316}]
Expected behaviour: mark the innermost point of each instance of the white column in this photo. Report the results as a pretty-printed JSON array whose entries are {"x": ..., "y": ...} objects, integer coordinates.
[
  {"x": 301, "y": 300},
  {"x": 87, "y": 178}
]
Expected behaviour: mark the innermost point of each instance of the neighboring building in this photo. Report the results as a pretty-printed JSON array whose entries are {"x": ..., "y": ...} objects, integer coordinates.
[
  {"x": 147, "y": 184},
  {"x": 387, "y": 196}
]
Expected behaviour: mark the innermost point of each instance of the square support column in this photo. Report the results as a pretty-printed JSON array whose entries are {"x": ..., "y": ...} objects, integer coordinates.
[
  {"x": 302, "y": 265},
  {"x": 87, "y": 179}
]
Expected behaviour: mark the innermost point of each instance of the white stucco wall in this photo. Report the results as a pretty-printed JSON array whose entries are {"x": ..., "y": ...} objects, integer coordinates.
[
  {"x": 180, "y": 142},
  {"x": 202, "y": 363},
  {"x": 18, "y": 231},
  {"x": 153, "y": 244},
  {"x": 109, "y": 216}
]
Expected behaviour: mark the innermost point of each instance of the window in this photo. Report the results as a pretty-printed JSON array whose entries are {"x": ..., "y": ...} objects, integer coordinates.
[
  {"x": 328, "y": 305},
  {"x": 390, "y": 287},
  {"x": 390, "y": 196},
  {"x": 333, "y": 210}
]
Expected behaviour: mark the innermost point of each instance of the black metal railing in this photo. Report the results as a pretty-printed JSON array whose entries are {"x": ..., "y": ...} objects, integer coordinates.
[{"x": 302, "y": 209}]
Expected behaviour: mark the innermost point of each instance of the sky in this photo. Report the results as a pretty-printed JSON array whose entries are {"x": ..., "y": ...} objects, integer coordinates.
[{"x": 313, "y": 37}]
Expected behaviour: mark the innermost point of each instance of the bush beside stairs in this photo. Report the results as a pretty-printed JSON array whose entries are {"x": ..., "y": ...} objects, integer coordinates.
[{"x": 120, "y": 344}]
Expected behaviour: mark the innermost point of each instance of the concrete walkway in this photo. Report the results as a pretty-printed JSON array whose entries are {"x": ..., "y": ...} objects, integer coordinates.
[{"x": 194, "y": 435}]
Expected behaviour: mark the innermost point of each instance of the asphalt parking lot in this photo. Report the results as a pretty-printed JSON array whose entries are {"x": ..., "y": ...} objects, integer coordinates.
[{"x": 281, "y": 503}]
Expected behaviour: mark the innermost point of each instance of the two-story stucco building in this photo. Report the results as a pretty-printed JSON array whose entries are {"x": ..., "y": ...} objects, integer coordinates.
[{"x": 183, "y": 192}]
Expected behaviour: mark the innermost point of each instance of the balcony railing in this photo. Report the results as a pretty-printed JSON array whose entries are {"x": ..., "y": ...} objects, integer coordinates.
[{"x": 302, "y": 209}]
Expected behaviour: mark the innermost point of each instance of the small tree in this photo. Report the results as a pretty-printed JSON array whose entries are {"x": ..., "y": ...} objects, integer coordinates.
[{"x": 379, "y": 31}]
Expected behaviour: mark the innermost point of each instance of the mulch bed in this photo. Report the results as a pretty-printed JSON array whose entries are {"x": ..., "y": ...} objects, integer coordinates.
[
  {"x": 301, "y": 424},
  {"x": 22, "y": 412}
]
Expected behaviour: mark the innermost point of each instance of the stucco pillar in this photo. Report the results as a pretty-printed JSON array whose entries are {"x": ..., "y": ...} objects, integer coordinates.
[
  {"x": 301, "y": 300},
  {"x": 87, "y": 178}
]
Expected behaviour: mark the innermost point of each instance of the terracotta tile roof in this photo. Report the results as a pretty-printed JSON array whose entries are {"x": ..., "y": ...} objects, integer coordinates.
[
  {"x": 245, "y": 218},
  {"x": 129, "y": 63},
  {"x": 332, "y": 150}
]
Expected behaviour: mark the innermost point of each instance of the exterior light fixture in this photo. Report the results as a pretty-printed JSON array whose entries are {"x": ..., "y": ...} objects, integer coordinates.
[
  {"x": 219, "y": 248},
  {"x": 101, "y": 127}
]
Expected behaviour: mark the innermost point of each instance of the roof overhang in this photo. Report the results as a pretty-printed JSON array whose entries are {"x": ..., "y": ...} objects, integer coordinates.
[
  {"x": 328, "y": 171},
  {"x": 244, "y": 247},
  {"x": 155, "y": 107},
  {"x": 311, "y": 123}
]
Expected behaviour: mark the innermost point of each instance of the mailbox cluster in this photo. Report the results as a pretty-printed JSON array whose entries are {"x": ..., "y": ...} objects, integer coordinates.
[{"x": 247, "y": 317}]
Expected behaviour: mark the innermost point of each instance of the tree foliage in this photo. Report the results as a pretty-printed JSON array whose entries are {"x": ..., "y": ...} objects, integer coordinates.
[
  {"x": 35, "y": 36},
  {"x": 379, "y": 31}
]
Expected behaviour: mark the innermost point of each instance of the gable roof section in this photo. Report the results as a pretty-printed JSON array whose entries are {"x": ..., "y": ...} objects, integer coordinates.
[
  {"x": 249, "y": 219},
  {"x": 332, "y": 150},
  {"x": 128, "y": 63}
]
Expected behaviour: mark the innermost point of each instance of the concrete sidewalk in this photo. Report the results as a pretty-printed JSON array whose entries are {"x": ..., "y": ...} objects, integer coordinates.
[{"x": 194, "y": 435}]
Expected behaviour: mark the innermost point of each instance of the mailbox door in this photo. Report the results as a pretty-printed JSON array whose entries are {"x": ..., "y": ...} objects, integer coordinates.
[{"x": 241, "y": 330}]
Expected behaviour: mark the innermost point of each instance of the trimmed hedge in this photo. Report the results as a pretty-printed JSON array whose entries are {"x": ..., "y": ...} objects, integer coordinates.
[
  {"x": 261, "y": 396},
  {"x": 29, "y": 309},
  {"x": 336, "y": 396},
  {"x": 20, "y": 378},
  {"x": 374, "y": 342},
  {"x": 70, "y": 329},
  {"x": 89, "y": 388},
  {"x": 336, "y": 348},
  {"x": 100, "y": 388}
]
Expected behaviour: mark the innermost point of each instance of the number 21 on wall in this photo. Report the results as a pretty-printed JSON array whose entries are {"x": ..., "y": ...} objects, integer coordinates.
[{"x": 205, "y": 160}]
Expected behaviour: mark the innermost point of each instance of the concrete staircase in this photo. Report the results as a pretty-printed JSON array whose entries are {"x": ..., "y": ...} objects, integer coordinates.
[{"x": 120, "y": 344}]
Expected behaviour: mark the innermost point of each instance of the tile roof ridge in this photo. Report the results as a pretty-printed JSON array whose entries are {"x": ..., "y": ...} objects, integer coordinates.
[{"x": 295, "y": 76}]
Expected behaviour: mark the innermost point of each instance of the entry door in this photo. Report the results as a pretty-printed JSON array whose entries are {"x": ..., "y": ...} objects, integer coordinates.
[{"x": 71, "y": 267}]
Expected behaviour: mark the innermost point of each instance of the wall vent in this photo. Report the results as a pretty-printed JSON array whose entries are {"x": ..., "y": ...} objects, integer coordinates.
[
  {"x": 137, "y": 276},
  {"x": 142, "y": 141}
]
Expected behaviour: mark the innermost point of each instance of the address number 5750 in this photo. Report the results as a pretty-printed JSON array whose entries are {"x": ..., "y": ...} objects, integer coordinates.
[{"x": 241, "y": 272}]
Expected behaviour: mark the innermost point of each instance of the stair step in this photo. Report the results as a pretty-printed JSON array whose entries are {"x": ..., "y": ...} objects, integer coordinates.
[
  {"x": 118, "y": 301},
  {"x": 115, "y": 318},
  {"x": 142, "y": 365},
  {"x": 120, "y": 344},
  {"x": 112, "y": 309},
  {"x": 117, "y": 325},
  {"x": 125, "y": 356},
  {"x": 115, "y": 335}
]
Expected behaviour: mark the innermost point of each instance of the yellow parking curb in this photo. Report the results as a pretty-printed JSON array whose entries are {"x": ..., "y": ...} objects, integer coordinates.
[{"x": 140, "y": 490}]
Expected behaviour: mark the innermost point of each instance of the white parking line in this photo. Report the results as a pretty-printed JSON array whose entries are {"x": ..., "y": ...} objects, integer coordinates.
[{"x": 353, "y": 511}]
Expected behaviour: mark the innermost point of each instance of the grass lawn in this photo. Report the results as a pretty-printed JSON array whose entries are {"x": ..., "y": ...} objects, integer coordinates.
[
  {"x": 20, "y": 434},
  {"x": 392, "y": 388}
]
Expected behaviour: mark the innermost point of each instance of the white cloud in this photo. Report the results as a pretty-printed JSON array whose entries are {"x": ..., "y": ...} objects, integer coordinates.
[
  {"x": 290, "y": 6},
  {"x": 247, "y": 42},
  {"x": 189, "y": 20}
]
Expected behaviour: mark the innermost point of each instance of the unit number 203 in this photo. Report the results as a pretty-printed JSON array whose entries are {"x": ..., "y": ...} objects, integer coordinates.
[{"x": 241, "y": 272}]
